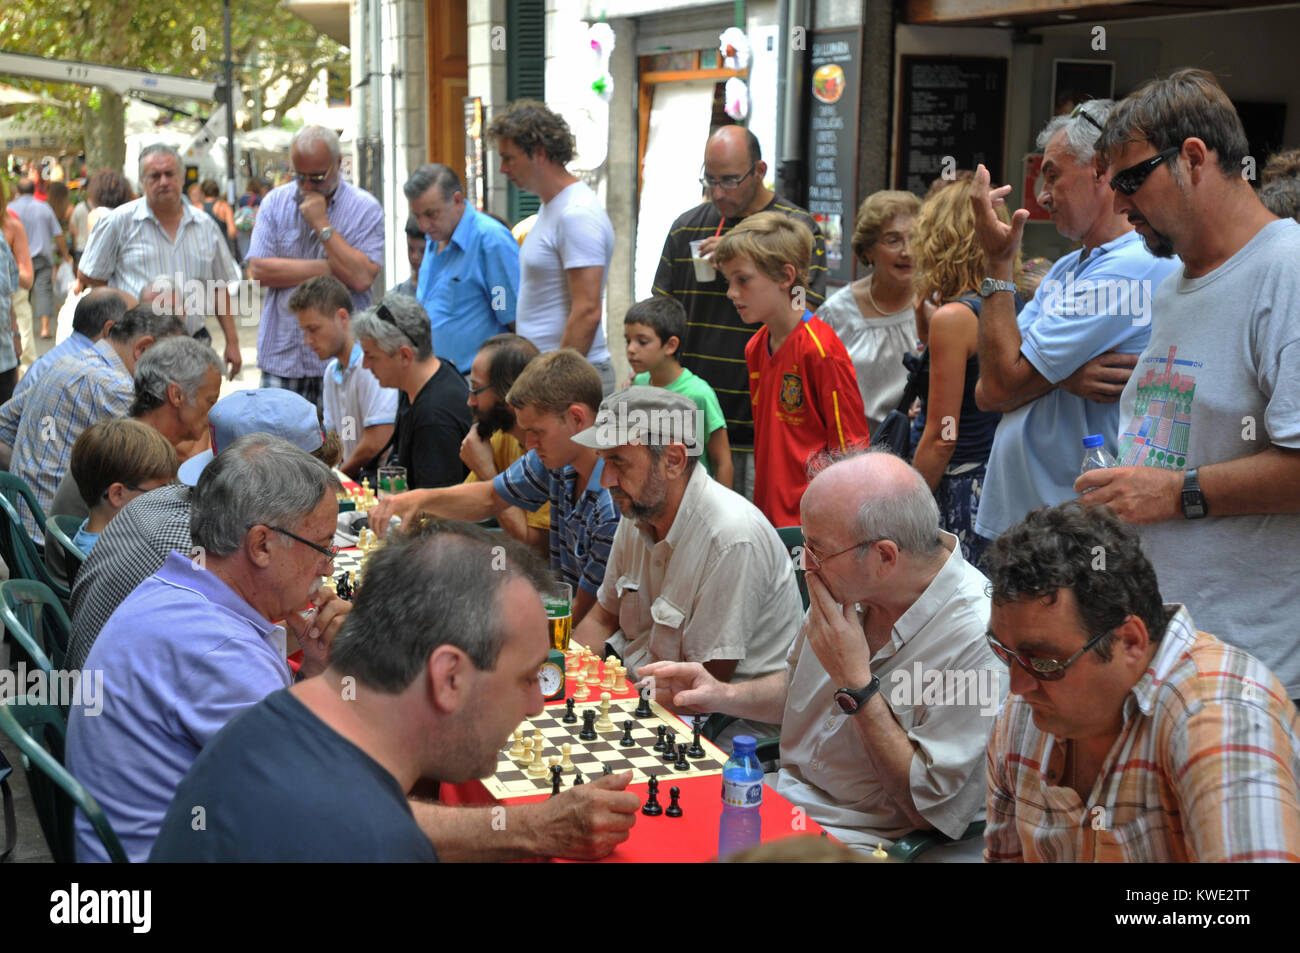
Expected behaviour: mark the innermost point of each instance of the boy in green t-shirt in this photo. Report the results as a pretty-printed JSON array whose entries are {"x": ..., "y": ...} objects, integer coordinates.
[{"x": 654, "y": 329}]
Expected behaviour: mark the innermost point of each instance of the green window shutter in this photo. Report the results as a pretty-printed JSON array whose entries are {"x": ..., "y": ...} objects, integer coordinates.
[{"x": 525, "y": 78}]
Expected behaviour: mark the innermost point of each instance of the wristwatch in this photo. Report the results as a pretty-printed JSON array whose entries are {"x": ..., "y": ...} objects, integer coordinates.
[
  {"x": 993, "y": 285},
  {"x": 851, "y": 702},
  {"x": 325, "y": 234},
  {"x": 1194, "y": 505}
]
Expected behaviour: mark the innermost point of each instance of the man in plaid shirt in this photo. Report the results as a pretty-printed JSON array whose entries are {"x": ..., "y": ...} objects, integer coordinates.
[
  {"x": 39, "y": 426},
  {"x": 1129, "y": 735}
]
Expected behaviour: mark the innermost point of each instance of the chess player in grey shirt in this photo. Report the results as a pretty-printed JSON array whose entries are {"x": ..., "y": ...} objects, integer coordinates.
[{"x": 889, "y": 692}]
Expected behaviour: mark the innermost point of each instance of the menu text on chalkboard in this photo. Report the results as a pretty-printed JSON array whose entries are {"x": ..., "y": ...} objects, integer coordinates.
[
  {"x": 952, "y": 116},
  {"x": 833, "y": 144}
]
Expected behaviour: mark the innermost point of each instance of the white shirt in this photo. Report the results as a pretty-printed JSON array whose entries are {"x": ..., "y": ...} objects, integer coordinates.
[
  {"x": 572, "y": 231},
  {"x": 938, "y": 643},
  {"x": 354, "y": 400}
]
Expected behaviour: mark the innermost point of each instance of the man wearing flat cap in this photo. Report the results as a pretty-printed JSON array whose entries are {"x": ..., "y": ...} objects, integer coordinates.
[{"x": 696, "y": 572}]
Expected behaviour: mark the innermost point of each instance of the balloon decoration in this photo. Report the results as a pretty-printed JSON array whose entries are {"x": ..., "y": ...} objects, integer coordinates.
[{"x": 600, "y": 37}]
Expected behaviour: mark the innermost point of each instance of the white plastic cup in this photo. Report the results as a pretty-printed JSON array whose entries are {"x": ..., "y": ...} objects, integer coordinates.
[{"x": 704, "y": 270}]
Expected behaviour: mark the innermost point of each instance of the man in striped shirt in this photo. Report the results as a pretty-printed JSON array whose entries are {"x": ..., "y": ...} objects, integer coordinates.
[
  {"x": 317, "y": 224},
  {"x": 160, "y": 236},
  {"x": 556, "y": 396},
  {"x": 1129, "y": 735}
]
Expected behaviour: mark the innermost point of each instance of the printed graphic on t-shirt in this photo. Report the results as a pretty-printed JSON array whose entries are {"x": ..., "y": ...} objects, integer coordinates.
[
  {"x": 792, "y": 394},
  {"x": 1159, "y": 432}
]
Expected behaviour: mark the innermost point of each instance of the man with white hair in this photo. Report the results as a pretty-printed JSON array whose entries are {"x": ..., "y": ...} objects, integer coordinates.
[
  {"x": 160, "y": 235},
  {"x": 889, "y": 692},
  {"x": 316, "y": 225},
  {"x": 1057, "y": 369}
]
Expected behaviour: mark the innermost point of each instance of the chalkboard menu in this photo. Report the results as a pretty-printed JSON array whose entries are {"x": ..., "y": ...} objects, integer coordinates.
[
  {"x": 951, "y": 115},
  {"x": 833, "y": 143}
]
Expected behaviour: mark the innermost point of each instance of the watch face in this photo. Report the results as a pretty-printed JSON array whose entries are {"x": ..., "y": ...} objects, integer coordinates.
[
  {"x": 846, "y": 702},
  {"x": 552, "y": 678}
]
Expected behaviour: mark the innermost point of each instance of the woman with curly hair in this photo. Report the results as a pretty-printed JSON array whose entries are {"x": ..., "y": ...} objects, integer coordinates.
[{"x": 955, "y": 435}]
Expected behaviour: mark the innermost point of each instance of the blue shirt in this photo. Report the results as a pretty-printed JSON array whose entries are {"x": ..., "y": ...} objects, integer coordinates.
[
  {"x": 583, "y": 524},
  {"x": 1081, "y": 310},
  {"x": 469, "y": 288},
  {"x": 181, "y": 656},
  {"x": 85, "y": 541},
  {"x": 77, "y": 343}
]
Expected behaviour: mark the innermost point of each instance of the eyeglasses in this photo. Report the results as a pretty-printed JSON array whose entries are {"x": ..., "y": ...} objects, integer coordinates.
[
  {"x": 820, "y": 561},
  {"x": 315, "y": 179},
  {"x": 1079, "y": 113},
  {"x": 893, "y": 241},
  {"x": 1130, "y": 180},
  {"x": 727, "y": 181},
  {"x": 475, "y": 391},
  {"x": 331, "y": 553},
  {"x": 1043, "y": 669}
]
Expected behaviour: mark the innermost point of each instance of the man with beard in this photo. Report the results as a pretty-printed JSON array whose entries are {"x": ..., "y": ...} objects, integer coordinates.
[
  {"x": 496, "y": 440},
  {"x": 696, "y": 573}
]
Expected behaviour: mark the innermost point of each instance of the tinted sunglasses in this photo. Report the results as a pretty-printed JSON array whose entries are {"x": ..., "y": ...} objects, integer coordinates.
[
  {"x": 1043, "y": 669},
  {"x": 1130, "y": 180}
]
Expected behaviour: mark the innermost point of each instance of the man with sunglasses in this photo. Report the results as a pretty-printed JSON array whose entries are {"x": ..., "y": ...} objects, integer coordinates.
[
  {"x": 1130, "y": 736},
  {"x": 888, "y": 693},
  {"x": 1056, "y": 370},
  {"x": 198, "y": 641},
  {"x": 714, "y": 347},
  {"x": 1209, "y": 435},
  {"x": 315, "y": 224}
]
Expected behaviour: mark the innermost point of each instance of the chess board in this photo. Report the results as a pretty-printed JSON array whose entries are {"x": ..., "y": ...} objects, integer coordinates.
[
  {"x": 348, "y": 560},
  {"x": 589, "y": 757}
]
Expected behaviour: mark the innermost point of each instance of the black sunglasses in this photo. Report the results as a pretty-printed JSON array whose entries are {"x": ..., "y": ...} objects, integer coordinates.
[
  {"x": 383, "y": 314},
  {"x": 1080, "y": 112},
  {"x": 1043, "y": 669},
  {"x": 1130, "y": 180},
  {"x": 317, "y": 178}
]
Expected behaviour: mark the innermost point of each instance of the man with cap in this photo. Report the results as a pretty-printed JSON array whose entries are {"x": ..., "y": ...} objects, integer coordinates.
[
  {"x": 136, "y": 543},
  {"x": 696, "y": 573},
  {"x": 199, "y": 641}
]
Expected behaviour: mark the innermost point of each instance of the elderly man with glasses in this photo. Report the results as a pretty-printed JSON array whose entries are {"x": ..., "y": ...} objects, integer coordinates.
[
  {"x": 199, "y": 640},
  {"x": 889, "y": 692},
  {"x": 1130, "y": 735},
  {"x": 714, "y": 347},
  {"x": 316, "y": 224}
]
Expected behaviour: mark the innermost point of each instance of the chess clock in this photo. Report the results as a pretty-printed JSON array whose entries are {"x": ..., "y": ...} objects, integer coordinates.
[{"x": 551, "y": 675}]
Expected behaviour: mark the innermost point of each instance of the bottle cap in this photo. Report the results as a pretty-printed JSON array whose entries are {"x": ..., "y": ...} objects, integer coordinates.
[
  {"x": 743, "y": 745},
  {"x": 1094, "y": 441}
]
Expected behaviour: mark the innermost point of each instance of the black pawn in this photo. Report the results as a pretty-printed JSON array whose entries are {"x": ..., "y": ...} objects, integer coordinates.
[
  {"x": 643, "y": 709},
  {"x": 555, "y": 780},
  {"x": 626, "y": 741},
  {"x": 659, "y": 743},
  {"x": 569, "y": 717},
  {"x": 674, "y": 809},
  {"x": 682, "y": 764},
  {"x": 588, "y": 732},
  {"x": 606, "y": 770},
  {"x": 696, "y": 750},
  {"x": 652, "y": 808},
  {"x": 578, "y": 780},
  {"x": 670, "y": 746}
]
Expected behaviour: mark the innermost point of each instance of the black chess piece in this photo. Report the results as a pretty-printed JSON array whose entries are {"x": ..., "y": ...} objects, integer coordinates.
[
  {"x": 696, "y": 750},
  {"x": 555, "y": 780},
  {"x": 343, "y": 588},
  {"x": 626, "y": 741},
  {"x": 674, "y": 809},
  {"x": 569, "y": 717},
  {"x": 682, "y": 764},
  {"x": 643, "y": 709},
  {"x": 670, "y": 746},
  {"x": 652, "y": 808},
  {"x": 606, "y": 770},
  {"x": 578, "y": 780},
  {"x": 659, "y": 743},
  {"x": 588, "y": 732}
]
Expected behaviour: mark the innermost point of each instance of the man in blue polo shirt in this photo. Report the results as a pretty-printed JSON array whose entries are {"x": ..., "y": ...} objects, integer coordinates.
[
  {"x": 469, "y": 279},
  {"x": 555, "y": 397},
  {"x": 1057, "y": 370}
]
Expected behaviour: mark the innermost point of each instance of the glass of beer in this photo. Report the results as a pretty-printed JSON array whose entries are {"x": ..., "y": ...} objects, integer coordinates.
[
  {"x": 391, "y": 480},
  {"x": 558, "y": 601}
]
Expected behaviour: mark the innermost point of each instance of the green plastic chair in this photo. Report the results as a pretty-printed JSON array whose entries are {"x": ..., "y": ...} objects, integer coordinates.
[
  {"x": 792, "y": 537},
  {"x": 40, "y": 731},
  {"x": 62, "y": 528},
  {"x": 21, "y": 555},
  {"x": 36, "y": 619}
]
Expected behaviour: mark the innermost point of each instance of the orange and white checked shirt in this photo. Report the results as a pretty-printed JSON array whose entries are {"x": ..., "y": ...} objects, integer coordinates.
[{"x": 1204, "y": 769}]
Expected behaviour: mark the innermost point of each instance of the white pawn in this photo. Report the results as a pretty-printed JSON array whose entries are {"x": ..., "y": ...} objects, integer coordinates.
[
  {"x": 603, "y": 723},
  {"x": 517, "y": 749},
  {"x": 567, "y": 763}
]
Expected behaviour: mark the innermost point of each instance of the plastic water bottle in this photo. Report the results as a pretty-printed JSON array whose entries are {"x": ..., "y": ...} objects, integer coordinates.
[
  {"x": 1095, "y": 456},
  {"x": 741, "y": 825}
]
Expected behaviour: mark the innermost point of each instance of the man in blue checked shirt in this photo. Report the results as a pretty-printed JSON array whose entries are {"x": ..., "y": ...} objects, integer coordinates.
[
  {"x": 555, "y": 397},
  {"x": 469, "y": 278},
  {"x": 94, "y": 317}
]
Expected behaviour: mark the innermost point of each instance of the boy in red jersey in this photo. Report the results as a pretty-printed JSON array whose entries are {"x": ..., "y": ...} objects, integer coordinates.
[{"x": 801, "y": 380}]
